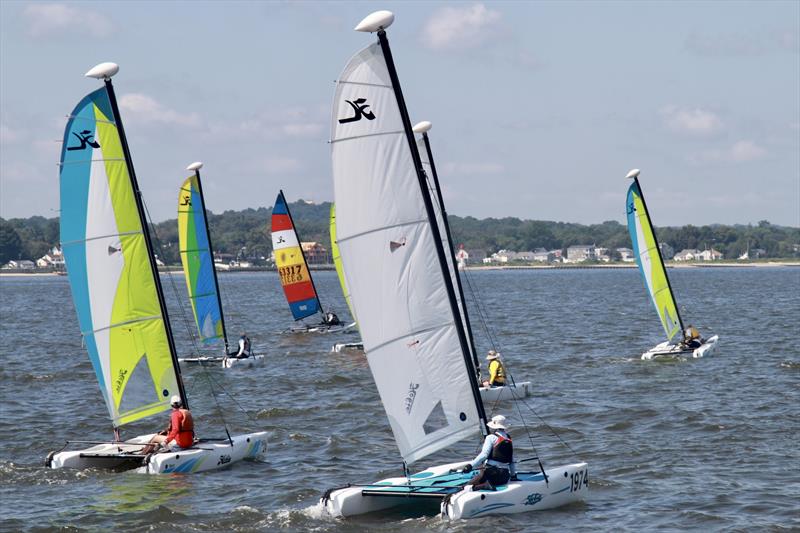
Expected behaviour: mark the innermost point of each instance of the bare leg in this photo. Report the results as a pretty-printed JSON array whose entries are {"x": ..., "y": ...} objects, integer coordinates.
[{"x": 155, "y": 442}]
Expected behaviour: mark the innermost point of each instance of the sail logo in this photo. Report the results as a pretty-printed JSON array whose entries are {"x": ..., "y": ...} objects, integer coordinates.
[
  {"x": 532, "y": 499},
  {"x": 412, "y": 394},
  {"x": 631, "y": 208},
  {"x": 361, "y": 109},
  {"x": 120, "y": 379},
  {"x": 86, "y": 138},
  {"x": 187, "y": 200}
]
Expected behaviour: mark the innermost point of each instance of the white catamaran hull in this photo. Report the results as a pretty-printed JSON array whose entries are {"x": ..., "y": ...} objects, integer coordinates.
[
  {"x": 665, "y": 349},
  {"x": 321, "y": 328},
  {"x": 507, "y": 392},
  {"x": 347, "y": 346},
  {"x": 245, "y": 362},
  {"x": 199, "y": 458},
  {"x": 565, "y": 484},
  {"x": 202, "y": 360}
]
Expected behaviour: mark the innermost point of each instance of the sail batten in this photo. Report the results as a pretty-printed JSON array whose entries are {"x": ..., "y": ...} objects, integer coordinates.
[
  {"x": 112, "y": 278},
  {"x": 392, "y": 268},
  {"x": 651, "y": 265}
]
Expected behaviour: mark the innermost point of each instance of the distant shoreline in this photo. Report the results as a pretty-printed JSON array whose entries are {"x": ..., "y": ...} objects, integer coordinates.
[{"x": 576, "y": 266}]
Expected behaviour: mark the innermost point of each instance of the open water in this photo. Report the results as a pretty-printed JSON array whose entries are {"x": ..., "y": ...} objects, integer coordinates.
[{"x": 709, "y": 444}]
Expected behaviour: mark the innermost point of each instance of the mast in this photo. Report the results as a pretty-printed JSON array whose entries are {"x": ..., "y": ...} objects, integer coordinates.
[
  {"x": 437, "y": 237},
  {"x": 300, "y": 245},
  {"x": 452, "y": 250},
  {"x": 146, "y": 231},
  {"x": 655, "y": 238},
  {"x": 196, "y": 167}
]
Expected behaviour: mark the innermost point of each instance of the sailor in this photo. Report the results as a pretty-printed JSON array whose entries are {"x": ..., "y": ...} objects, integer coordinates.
[
  {"x": 330, "y": 319},
  {"x": 245, "y": 350},
  {"x": 180, "y": 432},
  {"x": 497, "y": 372},
  {"x": 692, "y": 337},
  {"x": 496, "y": 460}
]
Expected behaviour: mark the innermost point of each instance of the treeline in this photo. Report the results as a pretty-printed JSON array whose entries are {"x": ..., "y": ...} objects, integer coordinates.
[{"x": 245, "y": 234}]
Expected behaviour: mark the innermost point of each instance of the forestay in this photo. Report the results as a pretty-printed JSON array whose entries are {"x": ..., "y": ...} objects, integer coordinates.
[
  {"x": 645, "y": 249},
  {"x": 391, "y": 266},
  {"x": 292, "y": 268},
  {"x": 198, "y": 263},
  {"x": 337, "y": 262},
  {"x": 112, "y": 280}
]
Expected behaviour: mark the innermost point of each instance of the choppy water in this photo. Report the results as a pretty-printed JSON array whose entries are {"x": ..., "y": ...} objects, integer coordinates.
[{"x": 707, "y": 444}]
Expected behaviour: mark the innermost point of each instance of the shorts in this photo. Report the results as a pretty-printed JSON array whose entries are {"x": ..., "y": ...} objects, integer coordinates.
[{"x": 494, "y": 475}]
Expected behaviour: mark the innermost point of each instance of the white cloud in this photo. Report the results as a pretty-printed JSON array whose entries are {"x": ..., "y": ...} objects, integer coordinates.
[
  {"x": 695, "y": 121},
  {"x": 143, "y": 108},
  {"x": 468, "y": 169},
  {"x": 459, "y": 27},
  {"x": 739, "y": 152},
  {"x": 279, "y": 165},
  {"x": 7, "y": 135},
  {"x": 50, "y": 19},
  {"x": 303, "y": 130}
]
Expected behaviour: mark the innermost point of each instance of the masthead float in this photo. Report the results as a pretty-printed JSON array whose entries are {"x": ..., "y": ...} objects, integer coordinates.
[
  {"x": 402, "y": 292},
  {"x": 118, "y": 296}
]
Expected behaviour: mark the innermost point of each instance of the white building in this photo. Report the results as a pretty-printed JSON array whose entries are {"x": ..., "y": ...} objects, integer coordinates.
[
  {"x": 626, "y": 254},
  {"x": 580, "y": 253},
  {"x": 687, "y": 254}
]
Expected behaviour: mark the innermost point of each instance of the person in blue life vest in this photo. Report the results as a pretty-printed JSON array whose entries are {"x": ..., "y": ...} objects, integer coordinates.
[
  {"x": 245, "y": 349},
  {"x": 496, "y": 460}
]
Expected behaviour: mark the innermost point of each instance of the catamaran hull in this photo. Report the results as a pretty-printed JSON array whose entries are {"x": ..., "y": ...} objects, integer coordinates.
[
  {"x": 202, "y": 360},
  {"x": 246, "y": 362},
  {"x": 507, "y": 392},
  {"x": 565, "y": 485},
  {"x": 347, "y": 346},
  {"x": 201, "y": 457},
  {"x": 322, "y": 328},
  {"x": 665, "y": 349}
]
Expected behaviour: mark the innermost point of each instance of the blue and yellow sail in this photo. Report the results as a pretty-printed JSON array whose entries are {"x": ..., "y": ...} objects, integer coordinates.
[
  {"x": 198, "y": 263},
  {"x": 646, "y": 251},
  {"x": 108, "y": 264},
  {"x": 337, "y": 262},
  {"x": 292, "y": 267}
]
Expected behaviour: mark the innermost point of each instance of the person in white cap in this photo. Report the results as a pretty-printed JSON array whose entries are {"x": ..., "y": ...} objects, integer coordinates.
[
  {"x": 179, "y": 433},
  {"x": 497, "y": 372},
  {"x": 496, "y": 460}
]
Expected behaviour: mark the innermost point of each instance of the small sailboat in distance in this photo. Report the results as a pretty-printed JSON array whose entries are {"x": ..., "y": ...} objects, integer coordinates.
[
  {"x": 648, "y": 256},
  {"x": 489, "y": 393},
  {"x": 197, "y": 258},
  {"x": 298, "y": 285},
  {"x": 118, "y": 297},
  {"x": 337, "y": 263},
  {"x": 402, "y": 292}
]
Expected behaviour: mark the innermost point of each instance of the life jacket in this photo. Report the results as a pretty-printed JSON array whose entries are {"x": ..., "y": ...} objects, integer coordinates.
[
  {"x": 185, "y": 436},
  {"x": 500, "y": 376},
  {"x": 503, "y": 449}
]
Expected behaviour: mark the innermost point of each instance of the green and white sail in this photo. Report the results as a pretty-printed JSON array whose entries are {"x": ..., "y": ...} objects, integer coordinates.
[
  {"x": 648, "y": 257},
  {"x": 337, "y": 262},
  {"x": 110, "y": 268}
]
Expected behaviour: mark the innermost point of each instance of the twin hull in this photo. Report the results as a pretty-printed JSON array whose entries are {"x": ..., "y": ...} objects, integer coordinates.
[
  {"x": 665, "y": 349},
  {"x": 565, "y": 484},
  {"x": 199, "y": 458}
]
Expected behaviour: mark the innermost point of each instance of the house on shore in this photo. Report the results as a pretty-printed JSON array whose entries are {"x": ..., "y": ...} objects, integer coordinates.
[{"x": 581, "y": 252}]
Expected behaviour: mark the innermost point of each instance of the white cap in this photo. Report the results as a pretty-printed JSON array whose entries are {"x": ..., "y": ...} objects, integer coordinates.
[
  {"x": 497, "y": 422},
  {"x": 492, "y": 355},
  {"x": 175, "y": 400}
]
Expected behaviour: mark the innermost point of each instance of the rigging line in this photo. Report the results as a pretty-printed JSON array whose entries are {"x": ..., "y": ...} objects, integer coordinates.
[
  {"x": 548, "y": 426},
  {"x": 187, "y": 324}
]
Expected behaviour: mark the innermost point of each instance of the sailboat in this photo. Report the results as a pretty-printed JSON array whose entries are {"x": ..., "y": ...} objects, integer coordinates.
[
  {"x": 298, "y": 285},
  {"x": 337, "y": 263},
  {"x": 651, "y": 265},
  {"x": 197, "y": 257},
  {"x": 118, "y": 296},
  {"x": 489, "y": 393},
  {"x": 403, "y": 295}
]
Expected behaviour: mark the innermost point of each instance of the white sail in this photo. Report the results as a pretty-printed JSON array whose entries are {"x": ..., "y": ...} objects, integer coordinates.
[{"x": 391, "y": 266}]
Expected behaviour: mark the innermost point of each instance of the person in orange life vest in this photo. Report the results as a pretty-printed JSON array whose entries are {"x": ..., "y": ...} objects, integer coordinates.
[
  {"x": 179, "y": 434},
  {"x": 496, "y": 458},
  {"x": 497, "y": 372}
]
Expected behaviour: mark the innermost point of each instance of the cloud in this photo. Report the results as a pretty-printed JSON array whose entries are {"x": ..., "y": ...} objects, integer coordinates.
[
  {"x": 143, "y": 108},
  {"x": 52, "y": 19},
  {"x": 469, "y": 169},
  {"x": 694, "y": 121},
  {"x": 303, "y": 130},
  {"x": 739, "y": 152},
  {"x": 742, "y": 44},
  {"x": 459, "y": 27},
  {"x": 279, "y": 165},
  {"x": 8, "y": 136}
]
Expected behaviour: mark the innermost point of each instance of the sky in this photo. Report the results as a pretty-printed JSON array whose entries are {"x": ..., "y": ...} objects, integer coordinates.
[{"x": 539, "y": 109}]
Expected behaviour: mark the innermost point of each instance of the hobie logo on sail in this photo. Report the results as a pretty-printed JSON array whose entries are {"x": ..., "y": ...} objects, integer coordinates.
[
  {"x": 86, "y": 138},
  {"x": 361, "y": 109},
  {"x": 187, "y": 200},
  {"x": 412, "y": 394}
]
